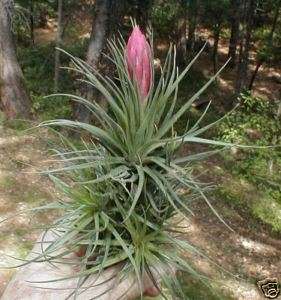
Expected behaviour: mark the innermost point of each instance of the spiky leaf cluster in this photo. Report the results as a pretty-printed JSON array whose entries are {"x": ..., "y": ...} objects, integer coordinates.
[{"x": 125, "y": 186}]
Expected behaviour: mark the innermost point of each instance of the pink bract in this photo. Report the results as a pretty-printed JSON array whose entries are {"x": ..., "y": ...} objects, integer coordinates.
[{"x": 138, "y": 58}]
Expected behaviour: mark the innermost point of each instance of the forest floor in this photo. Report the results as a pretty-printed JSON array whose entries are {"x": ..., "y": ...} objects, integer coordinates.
[{"x": 250, "y": 253}]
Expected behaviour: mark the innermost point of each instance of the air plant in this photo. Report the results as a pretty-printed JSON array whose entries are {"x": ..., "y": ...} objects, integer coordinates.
[{"x": 123, "y": 188}]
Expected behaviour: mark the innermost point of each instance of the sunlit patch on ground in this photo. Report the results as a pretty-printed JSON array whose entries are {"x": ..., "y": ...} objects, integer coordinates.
[
  {"x": 241, "y": 290},
  {"x": 256, "y": 247}
]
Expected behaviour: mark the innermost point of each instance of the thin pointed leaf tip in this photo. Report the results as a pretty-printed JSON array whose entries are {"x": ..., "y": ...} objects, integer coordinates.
[{"x": 138, "y": 58}]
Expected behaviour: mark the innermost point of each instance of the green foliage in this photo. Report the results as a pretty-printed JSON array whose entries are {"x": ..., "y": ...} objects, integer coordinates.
[
  {"x": 38, "y": 66},
  {"x": 195, "y": 290},
  {"x": 164, "y": 13},
  {"x": 255, "y": 121},
  {"x": 268, "y": 50},
  {"x": 216, "y": 11},
  {"x": 2, "y": 118},
  {"x": 20, "y": 22},
  {"x": 7, "y": 182},
  {"x": 261, "y": 202},
  {"x": 267, "y": 34},
  {"x": 18, "y": 125},
  {"x": 268, "y": 209}
]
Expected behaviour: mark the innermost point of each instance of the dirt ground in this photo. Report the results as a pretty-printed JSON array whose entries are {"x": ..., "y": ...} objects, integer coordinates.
[
  {"x": 21, "y": 188},
  {"x": 250, "y": 253}
]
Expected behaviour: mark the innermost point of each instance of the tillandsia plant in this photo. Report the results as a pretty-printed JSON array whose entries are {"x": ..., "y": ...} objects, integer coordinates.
[{"x": 125, "y": 186}]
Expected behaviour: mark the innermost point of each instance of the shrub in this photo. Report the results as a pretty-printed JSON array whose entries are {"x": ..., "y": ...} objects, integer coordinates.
[{"x": 255, "y": 121}]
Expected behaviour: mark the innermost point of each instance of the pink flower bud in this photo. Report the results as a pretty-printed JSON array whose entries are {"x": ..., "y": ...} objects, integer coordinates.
[{"x": 138, "y": 58}]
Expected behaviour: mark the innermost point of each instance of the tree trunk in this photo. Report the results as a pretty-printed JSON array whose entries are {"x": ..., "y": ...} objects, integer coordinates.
[
  {"x": 234, "y": 38},
  {"x": 182, "y": 41},
  {"x": 217, "y": 31},
  {"x": 270, "y": 42},
  {"x": 275, "y": 21},
  {"x": 142, "y": 13},
  {"x": 96, "y": 45},
  {"x": 118, "y": 9},
  {"x": 31, "y": 21},
  {"x": 13, "y": 95},
  {"x": 255, "y": 73},
  {"x": 58, "y": 45},
  {"x": 245, "y": 45},
  {"x": 192, "y": 17},
  {"x": 43, "y": 18}
]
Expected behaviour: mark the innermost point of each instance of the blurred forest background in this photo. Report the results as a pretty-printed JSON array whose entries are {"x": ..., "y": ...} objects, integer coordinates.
[{"x": 247, "y": 188}]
